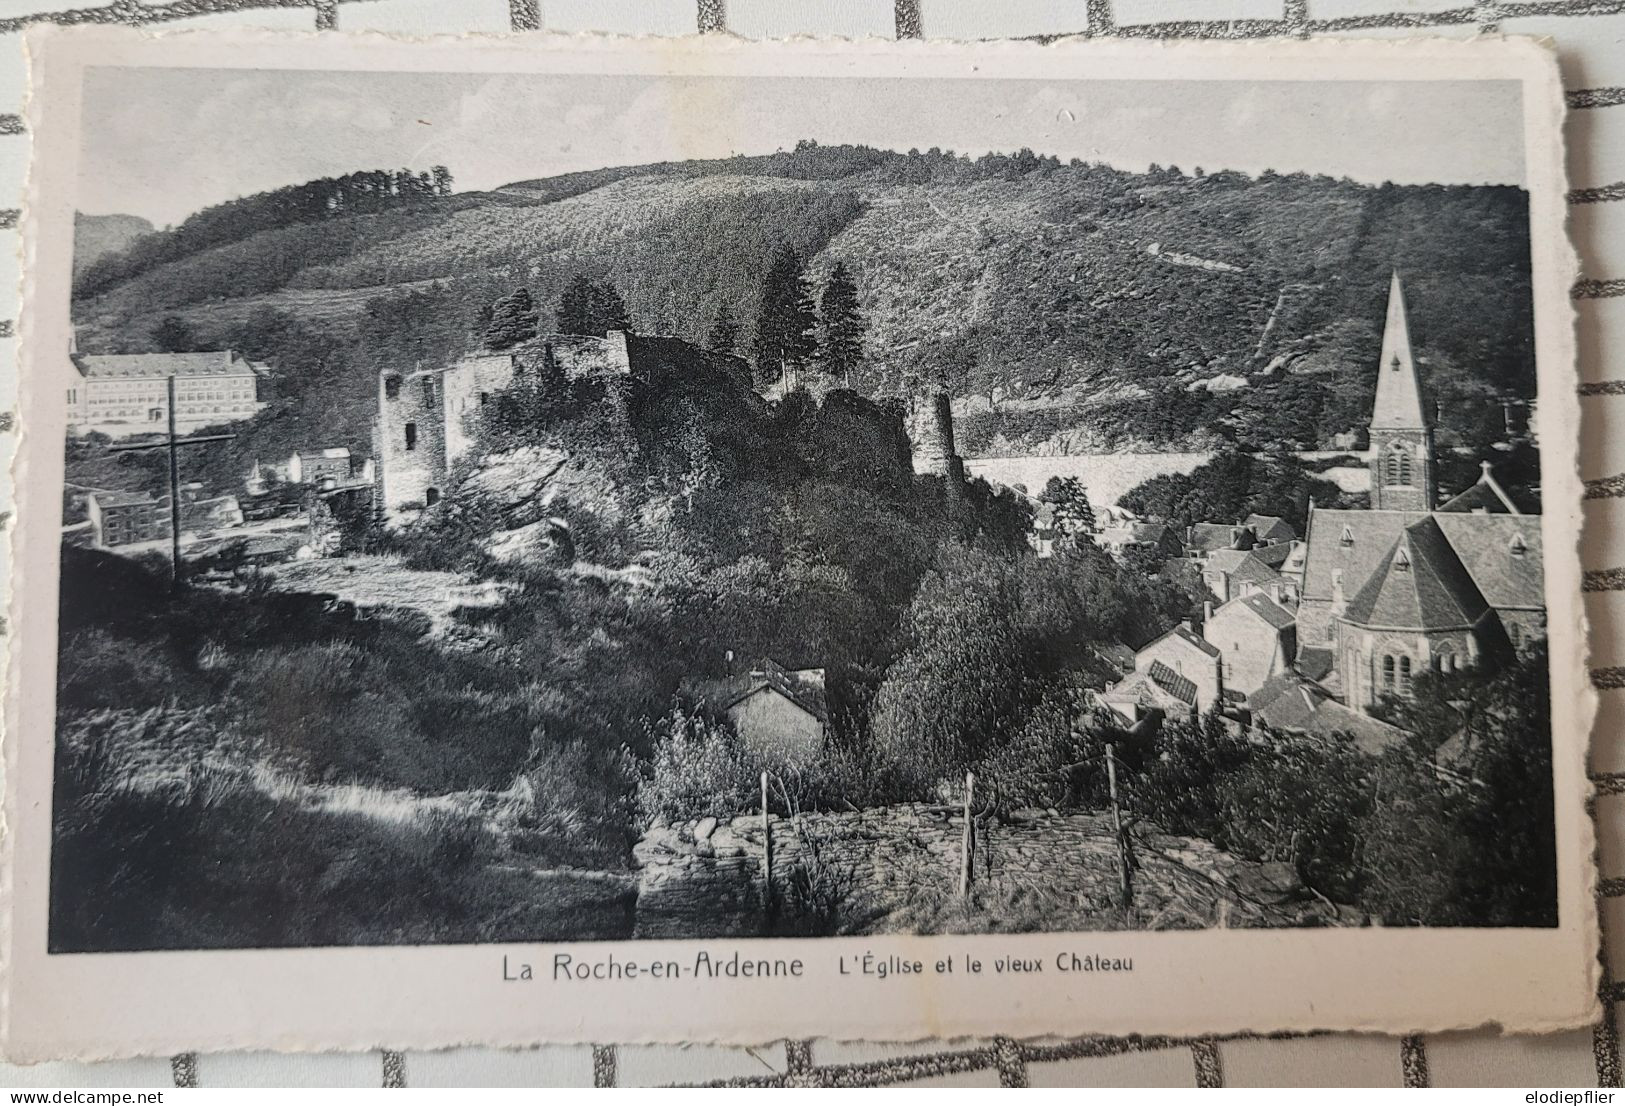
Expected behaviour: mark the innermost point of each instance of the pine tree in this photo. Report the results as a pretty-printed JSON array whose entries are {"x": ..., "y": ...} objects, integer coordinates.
[
  {"x": 841, "y": 325},
  {"x": 1074, "y": 516},
  {"x": 513, "y": 320},
  {"x": 575, "y": 306},
  {"x": 442, "y": 180},
  {"x": 608, "y": 310},
  {"x": 724, "y": 336},
  {"x": 785, "y": 320}
]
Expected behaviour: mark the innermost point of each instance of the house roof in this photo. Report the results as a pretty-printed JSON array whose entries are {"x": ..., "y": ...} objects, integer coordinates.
[
  {"x": 125, "y": 499},
  {"x": 1289, "y": 702},
  {"x": 1209, "y": 536},
  {"x": 1262, "y": 607},
  {"x": 1172, "y": 682},
  {"x": 1398, "y": 405},
  {"x": 1273, "y": 528},
  {"x": 148, "y": 366},
  {"x": 804, "y": 688},
  {"x": 1242, "y": 565},
  {"x": 1181, "y": 633},
  {"x": 1276, "y": 555},
  {"x": 1420, "y": 584}
]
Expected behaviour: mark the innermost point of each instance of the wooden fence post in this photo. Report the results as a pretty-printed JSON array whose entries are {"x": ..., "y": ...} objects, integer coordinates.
[
  {"x": 967, "y": 849},
  {"x": 1117, "y": 825},
  {"x": 767, "y": 849}
]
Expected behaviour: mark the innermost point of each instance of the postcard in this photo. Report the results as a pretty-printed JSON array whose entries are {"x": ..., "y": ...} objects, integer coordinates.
[{"x": 556, "y": 538}]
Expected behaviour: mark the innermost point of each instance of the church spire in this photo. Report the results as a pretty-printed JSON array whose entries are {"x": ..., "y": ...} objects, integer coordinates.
[
  {"x": 1401, "y": 459},
  {"x": 1399, "y": 391}
]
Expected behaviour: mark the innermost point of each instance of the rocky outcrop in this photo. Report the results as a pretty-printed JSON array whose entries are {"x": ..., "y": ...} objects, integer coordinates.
[
  {"x": 528, "y": 491},
  {"x": 888, "y": 867}
]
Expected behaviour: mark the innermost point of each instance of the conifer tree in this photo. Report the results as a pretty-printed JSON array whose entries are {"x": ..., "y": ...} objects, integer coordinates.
[
  {"x": 608, "y": 310},
  {"x": 786, "y": 318},
  {"x": 513, "y": 320},
  {"x": 575, "y": 306},
  {"x": 841, "y": 325},
  {"x": 724, "y": 336}
]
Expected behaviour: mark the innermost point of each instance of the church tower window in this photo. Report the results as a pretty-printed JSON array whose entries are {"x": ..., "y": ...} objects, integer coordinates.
[
  {"x": 1388, "y": 673},
  {"x": 1404, "y": 675}
]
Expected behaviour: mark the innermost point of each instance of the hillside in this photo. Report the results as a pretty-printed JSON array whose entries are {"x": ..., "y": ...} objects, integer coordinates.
[
  {"x": 96, "y": 236},
  {"x": 1074, "y": 306}
]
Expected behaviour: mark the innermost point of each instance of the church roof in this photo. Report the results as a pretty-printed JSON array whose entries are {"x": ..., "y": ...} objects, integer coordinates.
[
  {"x": 1502, "y": 553},
  {"x": 1352, "y": 543},
  {"x": 1399, "y": 391},
  {"x": 1420, "y": 584},
  {"x": 1485, "y": 497}
]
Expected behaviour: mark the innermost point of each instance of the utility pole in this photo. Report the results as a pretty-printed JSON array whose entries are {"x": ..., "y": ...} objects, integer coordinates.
[
  {"x": 173, "y": 443},
  {"x": 1124, "y": 886}
]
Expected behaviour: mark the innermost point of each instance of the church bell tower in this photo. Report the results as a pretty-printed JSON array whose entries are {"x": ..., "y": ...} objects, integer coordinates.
[{"x": 1402, "y": 477}]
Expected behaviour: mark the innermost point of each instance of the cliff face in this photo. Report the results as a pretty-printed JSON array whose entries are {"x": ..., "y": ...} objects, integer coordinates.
[{"x": 896, "y": 869}]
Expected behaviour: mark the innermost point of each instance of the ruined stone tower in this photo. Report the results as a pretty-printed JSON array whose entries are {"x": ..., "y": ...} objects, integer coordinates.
[{"x": 934, "y": 451}]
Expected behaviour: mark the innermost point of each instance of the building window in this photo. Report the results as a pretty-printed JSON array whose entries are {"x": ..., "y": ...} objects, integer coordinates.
[
  {"x": 1405, "y": 469},
  {"x": 1347, "y": 537},
  {"x": 411, "y": 436},
  {"x": 1402, "y": 561},
  {"x": 1514, "y": 634},
  {"x": 1388, "y": 673},
  {"x": 428, "y": 389},
  {"x": 431, "y": 497},
  {"x": 1517, "y": 548},
  {"x": 392, "y": 387},
  {"x": 1404, "y": 675},
  {"x": 485, "y": 397},
  {"x": 1393, "y": 469}
]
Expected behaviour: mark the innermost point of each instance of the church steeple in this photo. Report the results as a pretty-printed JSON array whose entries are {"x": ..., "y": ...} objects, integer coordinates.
[
  {"x": 1401, "y": 433},
  {"x": 1399, "y": 392}
]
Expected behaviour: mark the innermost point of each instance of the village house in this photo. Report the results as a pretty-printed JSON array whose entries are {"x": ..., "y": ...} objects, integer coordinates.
[
  {"x": 1292, "y": 704},
  {"x": 1270, "y": 529},
  {"x": 1147, "y": 536},
  {"x": 126, "y": 518},
  {"x": 1256, "y": 638},
  {"x": 1231, "y": 573},
  {"x": 1206, "y": 537},
  {"x": 1183, "y": 652},
  {"x": 1411, "y": 585},
  {"x": 779, "y": 713},
  {"x": 125, "y": 394},
  {"x": 1149, "y": 696}
]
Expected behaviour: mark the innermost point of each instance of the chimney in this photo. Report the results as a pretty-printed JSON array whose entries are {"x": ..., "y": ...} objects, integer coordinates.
[{"x": 1207, "y": 610}]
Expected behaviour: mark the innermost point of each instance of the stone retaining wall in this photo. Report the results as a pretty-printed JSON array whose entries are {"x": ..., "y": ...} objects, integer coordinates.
[{"x": 895, "y": 869}]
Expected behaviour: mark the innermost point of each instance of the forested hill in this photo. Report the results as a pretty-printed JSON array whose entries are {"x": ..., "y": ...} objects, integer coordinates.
[{"x": 1098, "y": 308}]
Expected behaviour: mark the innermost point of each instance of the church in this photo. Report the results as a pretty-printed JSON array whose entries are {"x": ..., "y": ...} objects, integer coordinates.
[{"x": 1412, "y": 584}]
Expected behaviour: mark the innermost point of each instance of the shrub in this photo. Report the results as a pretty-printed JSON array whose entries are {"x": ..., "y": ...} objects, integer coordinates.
[{"x": 698, "y": 767}]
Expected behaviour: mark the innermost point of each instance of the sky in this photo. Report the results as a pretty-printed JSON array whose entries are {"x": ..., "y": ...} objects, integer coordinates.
[{"x": 163, "y": 143}]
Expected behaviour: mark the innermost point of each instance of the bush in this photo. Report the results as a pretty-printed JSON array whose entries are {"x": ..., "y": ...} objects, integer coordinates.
[{"x": 698, "y": 767}]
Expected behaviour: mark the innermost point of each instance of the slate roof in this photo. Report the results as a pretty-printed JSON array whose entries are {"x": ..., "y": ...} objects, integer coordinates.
[
  {"x": 1242, "y": 566},
  {"x": 126, "y": 499},
  {"x": 1398, "y": 404},
  {"x": 1372, "y": 535},
  {"x": 1485, "y": 545},
  {"x": 147, "y": 366},
  {"x": 1209, "y": 536},
  {"x": 1289, "y": 702},
  {"x": 1184, "y": 634},
  {"x": 1172, "y": 682},
  {"x": 1268, "y": 610},
  {"x": 1116, "y": 654},
  {"x": 1486, "y": 496},
  {"x": 1420, "y": 584},
  {"x": 1270, "y": 528},
  {"x": 1275, "y": 555}
]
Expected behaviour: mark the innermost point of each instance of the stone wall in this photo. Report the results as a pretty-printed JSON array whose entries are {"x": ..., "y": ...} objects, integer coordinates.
[{"x": 892, "y": 869}]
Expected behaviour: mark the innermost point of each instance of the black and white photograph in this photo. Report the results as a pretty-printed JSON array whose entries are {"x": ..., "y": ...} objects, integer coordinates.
[{"x": 561, "y": 508}]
